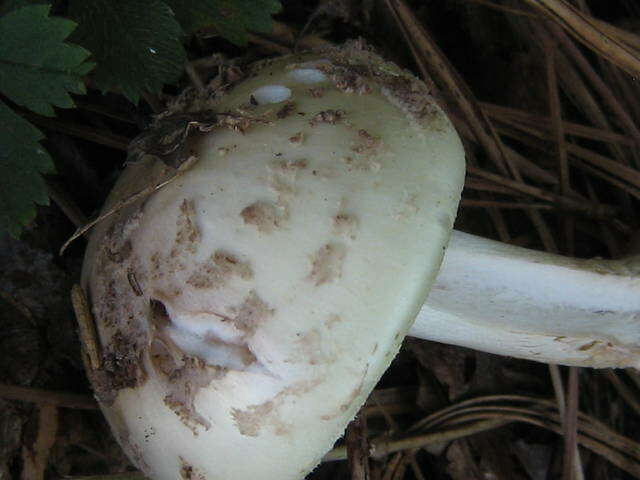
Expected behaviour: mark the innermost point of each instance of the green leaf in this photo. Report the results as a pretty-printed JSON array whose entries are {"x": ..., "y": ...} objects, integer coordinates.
[
  {"x": 231, "y": 18},
  {"x": 22, "y": 160},
  {"x": 136, "y": 43},
  {"x": 37, "y": 69}
]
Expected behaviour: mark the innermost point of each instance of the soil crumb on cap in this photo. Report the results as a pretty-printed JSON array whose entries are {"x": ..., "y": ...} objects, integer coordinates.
[
  {"x": 184, "y": 374},
  {"x": 353, "y": 395},
  {"x": 327, "y": 116},
  {"x": 366, "y": 151},
  {"x": 218, "y": 270},
  {"x": 288, "y": 168},
  {"x": 345, "y": 224},
  {"x": 187, "y": 232},
  {"x": 185, "y": 382},
  {"x": 188, "y": 472},
  {"x": 350, "y": 82},
  {"x": 265, "y": 216},
  {"x": 286, "y": 110},
  {"x": 252, "y": 419},
  {"x": 327, "y": 263},
  {"x": 249, "y": 421},
  {"x": 317, "y": 92},
  {"x": 297, "y": 139},
  {"x": 122, "y": 366},
  {"x": 251, "y": 313}
]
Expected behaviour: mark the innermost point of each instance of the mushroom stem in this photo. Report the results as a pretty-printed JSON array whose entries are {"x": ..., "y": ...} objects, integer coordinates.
[{"x": 514, "y": 301}]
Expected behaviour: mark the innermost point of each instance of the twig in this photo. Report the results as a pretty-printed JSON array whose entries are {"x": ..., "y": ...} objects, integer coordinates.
[
  {"x": 510, "y": 10},
  {"x": 586, "y": 31},
  {"x": 395, "y": 467},
  {"x": 623, "y": 172},
  {"x": 270, "y": 43},
  {"x": 557, "y": 127},
  {"x": 594, "y": 435},
  {"x": 542, "y": 124},
  {"x": 431, "y": 60},
  {"x": 383, "y": 447},
  {"x": 94, "y": 135},
  {"x": 416, "y": 469},
  {"x": 623, "y": 390},
  {"x": 473, "y": 183},
  {"x": 66, "y": 204},
  {"x": 577, "y": 153},
  {"x": 625, "y": 459},
  {"x": 572, "y": 464},
  {"x": 357, "y": 446},
  {"x": 36, "y": 456},
  {"x": 153, "y": 101},
  {"x": 568, "y": 203},
  {"x": 124, "y": 203},
  {"x": 194, "y": 76},
  {"x": 86, "y": 327},
  {"x": 604, "y": 91},
  {"x": 47, "y": 397},
  {"x": 526, "y": 166},
  {"x": 105, "y": 111},
  {"x": 634, "y": 375},
  {"x": 635, "y": 192},
  {"x": 470, "y": 203},
  {"x": 112, "y": 476}
]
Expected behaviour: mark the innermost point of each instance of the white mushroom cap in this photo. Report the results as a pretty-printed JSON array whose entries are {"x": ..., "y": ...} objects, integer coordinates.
[{"x": 247, "y": 308}]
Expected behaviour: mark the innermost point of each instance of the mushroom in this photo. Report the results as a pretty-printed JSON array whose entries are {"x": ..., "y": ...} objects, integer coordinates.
[
  {"x": 246, "y": 308},
  {"x": 265, "y": 252}
]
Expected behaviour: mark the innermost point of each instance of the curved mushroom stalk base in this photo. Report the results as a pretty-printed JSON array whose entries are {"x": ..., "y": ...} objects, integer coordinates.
[{"x": 513, "y": 301}]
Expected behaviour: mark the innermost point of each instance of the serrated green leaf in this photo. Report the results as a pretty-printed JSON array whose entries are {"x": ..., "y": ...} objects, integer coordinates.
[
  {"x": 22, "y": 160},
  {"x": 136, "y": 43},
  {"x": 231, "y": 18},
  {"x": 37, "y": 68}
]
